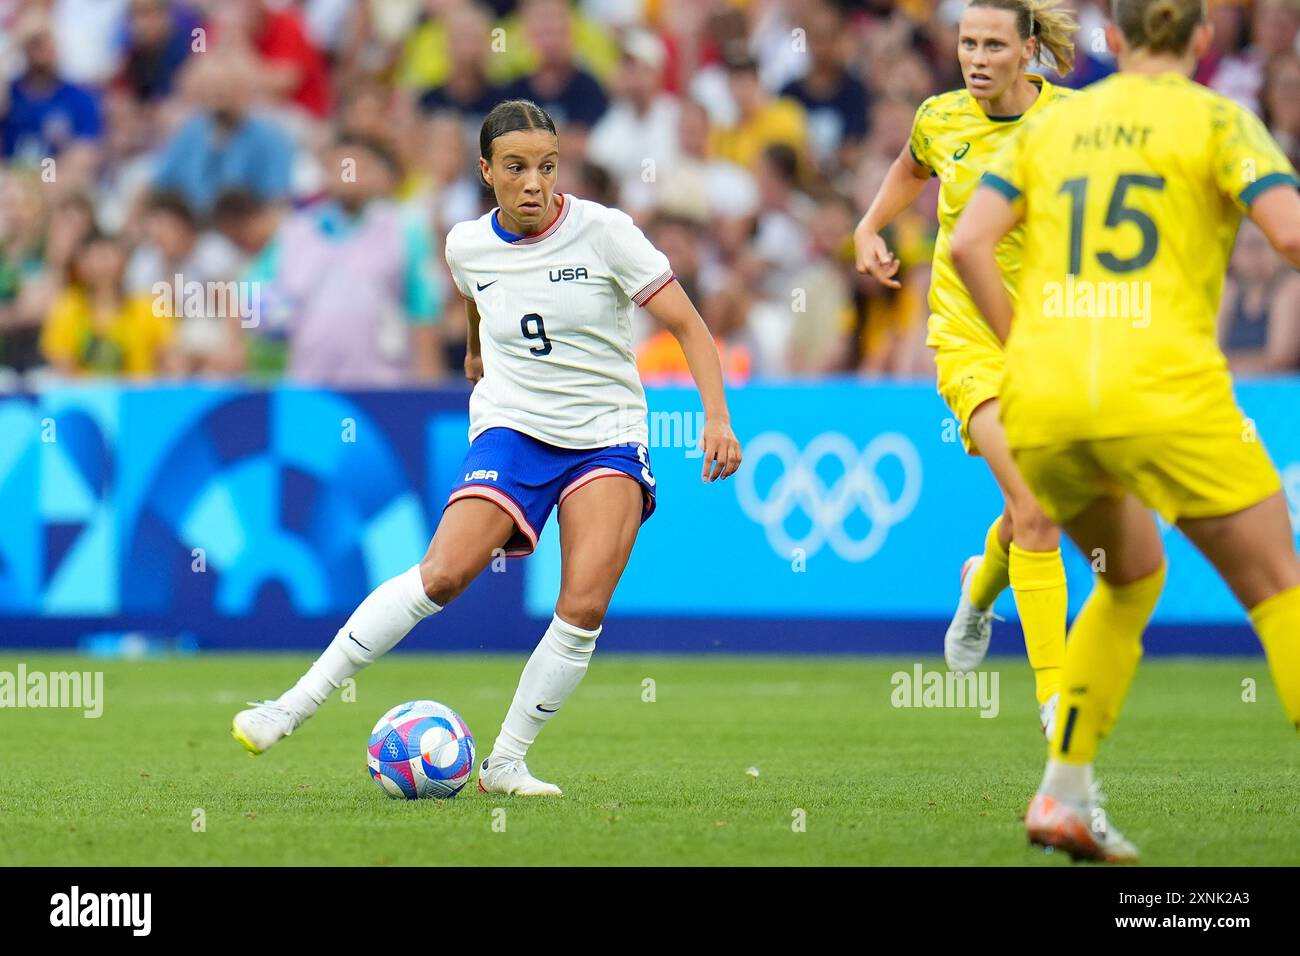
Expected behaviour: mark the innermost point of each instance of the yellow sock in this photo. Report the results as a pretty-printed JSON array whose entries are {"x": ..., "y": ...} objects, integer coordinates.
[
  {"x": 991, "y": 577},
  {"x": 1101, "y": 657},
  {"x": 1277, "y": 622},
  {"x": 1038, "y": 580}
]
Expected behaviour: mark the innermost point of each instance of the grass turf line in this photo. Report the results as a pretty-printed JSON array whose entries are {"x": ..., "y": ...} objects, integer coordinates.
[{"x": 1195, "y": 775}]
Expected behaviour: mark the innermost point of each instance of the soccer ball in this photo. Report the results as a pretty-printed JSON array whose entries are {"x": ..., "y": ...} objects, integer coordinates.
[{"x": 421, "y": 749}]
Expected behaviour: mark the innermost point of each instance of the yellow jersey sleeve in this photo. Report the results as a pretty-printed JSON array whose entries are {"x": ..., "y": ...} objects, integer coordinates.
[
  {"x": 921, "y": 137},
  {"x": 1247, "y": 160}
]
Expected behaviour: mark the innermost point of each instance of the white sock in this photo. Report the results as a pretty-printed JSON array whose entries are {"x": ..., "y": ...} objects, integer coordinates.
[
  {"x": 1071, "y": 782},
  {"x": 385, "y": 617},
  {"x": 552, "y": 673}
]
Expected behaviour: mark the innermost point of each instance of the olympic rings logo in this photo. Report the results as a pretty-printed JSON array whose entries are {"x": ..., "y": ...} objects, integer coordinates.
[{"x": 800, "y": 488}]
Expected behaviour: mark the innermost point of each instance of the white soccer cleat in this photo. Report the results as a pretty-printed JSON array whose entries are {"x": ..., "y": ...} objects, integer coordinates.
[
  {"x": 1047, "y": 715},
  {"x": 509, "y": 776},
  {"x": 967, "y": 639},
  {"x": 262, "y": 726},
  {"x": 1083, "y": 832}
]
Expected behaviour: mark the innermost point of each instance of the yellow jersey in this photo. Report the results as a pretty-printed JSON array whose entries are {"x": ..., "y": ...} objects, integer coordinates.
[
  {"x": 1131, "y": 194},
  {"x": 130, "y": 343},
  {"x": 955, "y": 139}
]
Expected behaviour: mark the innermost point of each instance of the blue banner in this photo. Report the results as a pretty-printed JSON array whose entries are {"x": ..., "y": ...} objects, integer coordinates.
[{"x": 261, "y": 518}]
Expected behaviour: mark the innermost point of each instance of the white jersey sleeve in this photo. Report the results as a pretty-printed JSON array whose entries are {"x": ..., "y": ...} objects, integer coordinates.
[
  {"x": 635, "y": 264},
  {"x": 457, "y": 276}
]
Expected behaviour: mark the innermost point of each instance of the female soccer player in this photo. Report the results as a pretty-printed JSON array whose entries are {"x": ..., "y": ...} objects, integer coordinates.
[
  {"x": 954, "y": 136},
  {"x": 1117, "y": 398},
  {"x": 551, "y": 283}
]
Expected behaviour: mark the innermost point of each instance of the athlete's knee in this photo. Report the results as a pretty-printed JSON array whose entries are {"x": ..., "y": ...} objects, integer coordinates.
[
  {"x": 586, "y": 611},
  {"x": 1031, "y": 529},
  {"x": 443, "y": 580},
  {"x": 1138, "y": 593},
  {"x": 1275, "y": 572}
]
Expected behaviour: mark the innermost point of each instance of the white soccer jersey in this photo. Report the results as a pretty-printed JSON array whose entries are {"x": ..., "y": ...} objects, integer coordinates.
[{"x": 555, "y": 323}]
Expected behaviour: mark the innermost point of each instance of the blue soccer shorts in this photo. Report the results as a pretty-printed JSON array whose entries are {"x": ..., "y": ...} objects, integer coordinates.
[{"x": 527, "y": 478}]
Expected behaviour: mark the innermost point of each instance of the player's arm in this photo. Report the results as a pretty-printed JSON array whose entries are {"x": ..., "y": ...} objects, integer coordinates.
[
  {"x": 988, "y": 217},
  {"x": 903, "y": 184},
  {"x": 1277, "y": 212},
  {"x": 673, "y": 309},
  {"x": 473, "y": 357}
]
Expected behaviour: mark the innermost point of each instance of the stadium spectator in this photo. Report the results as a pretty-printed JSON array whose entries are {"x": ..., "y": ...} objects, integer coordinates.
[
  {"x": 1234, "y": 66},
  {"x": 43, "y": 114},
  {"x": 159, "y": 39},
  {"x": 292, "y": 70},
  {"x": 1093, "y": 61},
  {"x": 781, "y": 245},
  {"x": 660, "y": 359},
  {"x": 1259, "y": 317},
  {"x": 352, "y": 274},
  {"x": 636, "y": 139},
  {"x": 425, "y": 61},
  {"x": 816, "y": 341},
  {"x": 96, "y": 328},
  {"x": 44, "y": 249},
  {"x": 558, "y": 84},
  {"x": 835, "y": 101},
  {"x": 1275, "y": 27},
  {"x": 468, "y": 89},
  {"x": 22, "y": 260},
  {"x": 440, "y": 187},
  {"x": 247, "y": 222},
  {"x": 175, "y": 257},
  {"x": 761, "y": 119},
  {"x": 224, "y": 146},
  {"x": 87, "y": 33},
  {"x": 1282, "y": 103},
  {"x": 700, "y": 183}
]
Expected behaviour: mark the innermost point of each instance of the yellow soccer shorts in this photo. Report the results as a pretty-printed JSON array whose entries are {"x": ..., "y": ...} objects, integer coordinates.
[
  {"x": 969, "y": 374},
  {"x": 1177, "y": 474}
]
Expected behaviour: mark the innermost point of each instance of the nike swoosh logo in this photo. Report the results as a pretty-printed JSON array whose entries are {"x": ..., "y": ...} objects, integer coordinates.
[
  {"x": 358, "y": 643},
  {"x": 545, "y": 711},
  {"x": 484, "y": 285}
]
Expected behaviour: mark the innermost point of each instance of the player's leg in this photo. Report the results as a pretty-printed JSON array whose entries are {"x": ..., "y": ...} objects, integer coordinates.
[
  {"x": 968, "y": 377},
  {"x": 598, "y": 526},
  {"x": 470, "y": 532},
  {"x": 1035, "y": 569},
  {"x": 1101, "y": 658},
  {"x": 1255, "y": 554}
]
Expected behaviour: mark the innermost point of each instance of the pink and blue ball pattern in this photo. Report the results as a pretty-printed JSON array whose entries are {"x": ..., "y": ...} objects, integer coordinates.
[{"x": 421, "y": 750}]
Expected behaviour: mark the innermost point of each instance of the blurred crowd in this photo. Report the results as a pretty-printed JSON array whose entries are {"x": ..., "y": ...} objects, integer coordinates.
[{"x": 260, "y": 188}]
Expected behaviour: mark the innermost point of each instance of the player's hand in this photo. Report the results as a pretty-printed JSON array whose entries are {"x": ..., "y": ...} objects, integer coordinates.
[
  {"x": 875, "y": 259},
  {"x": 721, "y": 451},
  {"x": 473, "y": 368}
]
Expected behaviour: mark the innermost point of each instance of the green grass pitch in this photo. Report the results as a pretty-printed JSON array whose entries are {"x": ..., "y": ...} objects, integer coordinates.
[{"x": 1195, "y": 774}]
